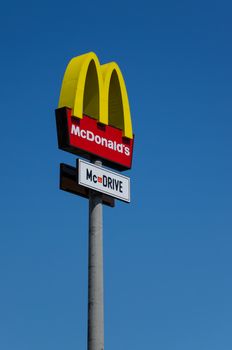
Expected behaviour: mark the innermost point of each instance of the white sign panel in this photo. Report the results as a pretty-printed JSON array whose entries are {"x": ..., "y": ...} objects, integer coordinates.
[{"x": 102, "y": 180}]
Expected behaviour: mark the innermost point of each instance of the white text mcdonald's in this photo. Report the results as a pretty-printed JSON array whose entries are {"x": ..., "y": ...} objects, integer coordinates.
[{"x": 93, "y": 116}]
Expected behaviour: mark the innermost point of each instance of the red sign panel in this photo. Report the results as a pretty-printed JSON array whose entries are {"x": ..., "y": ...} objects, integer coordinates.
[{"x": 87, "y": 137}]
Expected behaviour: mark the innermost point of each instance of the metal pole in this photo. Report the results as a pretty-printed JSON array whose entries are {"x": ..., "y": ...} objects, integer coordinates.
[{"x": 95, "y": 272}]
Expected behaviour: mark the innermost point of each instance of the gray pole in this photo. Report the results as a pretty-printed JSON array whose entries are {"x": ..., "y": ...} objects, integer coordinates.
[{"x": 95, "y": 270}]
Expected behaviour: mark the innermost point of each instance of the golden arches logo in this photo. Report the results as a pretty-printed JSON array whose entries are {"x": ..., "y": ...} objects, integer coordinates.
[{"x": 98, "y": 91}]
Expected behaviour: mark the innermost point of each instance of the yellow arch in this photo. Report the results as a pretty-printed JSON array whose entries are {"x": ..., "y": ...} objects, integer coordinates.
[
  {"x": 97, "y": 91},
  {"x": 116, "y": 99}
]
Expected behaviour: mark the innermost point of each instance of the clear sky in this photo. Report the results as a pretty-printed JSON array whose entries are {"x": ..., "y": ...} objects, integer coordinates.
[{"x": 168, "y": 261}]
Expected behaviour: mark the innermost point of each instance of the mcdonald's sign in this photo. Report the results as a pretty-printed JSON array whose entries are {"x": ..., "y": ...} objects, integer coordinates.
[{"x": 93, "y": 116}]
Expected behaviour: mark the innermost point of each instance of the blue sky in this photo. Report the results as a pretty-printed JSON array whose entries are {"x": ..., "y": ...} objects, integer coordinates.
[{"x": 168, "y": 254}]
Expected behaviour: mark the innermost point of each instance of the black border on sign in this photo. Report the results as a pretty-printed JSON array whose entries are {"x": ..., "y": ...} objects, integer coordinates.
[{"x": 78, "y": 161}]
